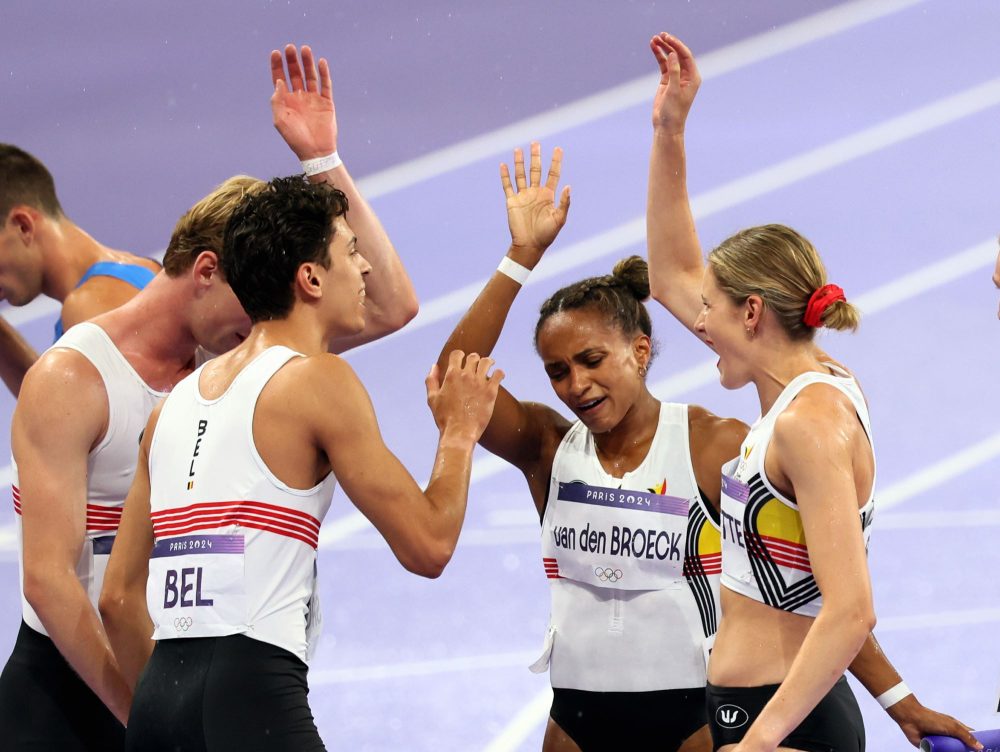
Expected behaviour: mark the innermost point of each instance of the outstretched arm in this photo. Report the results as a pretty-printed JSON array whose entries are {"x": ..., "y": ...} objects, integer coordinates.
[
  {"x": 16, "y": 356},
  {"x": 676, "y": 264},
  {"x": 61, "y": 414},
  {"x": 872, "y": 668},
  {"x": 123, "y": 597},
  {"x": 421, "y": 527},
  {"x": 305, "y": 117},
  {"x": 517, "y": 430}
]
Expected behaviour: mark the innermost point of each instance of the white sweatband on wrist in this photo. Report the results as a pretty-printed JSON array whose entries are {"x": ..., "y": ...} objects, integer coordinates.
[
  {"x": 891, "y": 696},
  {"x": 321, "y": 164},
  {"x": 514, "y": 270}
]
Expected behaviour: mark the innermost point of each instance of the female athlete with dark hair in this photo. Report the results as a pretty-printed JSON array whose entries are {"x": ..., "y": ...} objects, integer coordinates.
[{"x": 628, "y": 495}]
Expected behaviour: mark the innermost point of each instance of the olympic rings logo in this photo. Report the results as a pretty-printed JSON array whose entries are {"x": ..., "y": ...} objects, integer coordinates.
[
  {"x": 607, "y": 574},
  {"x": 183, "y": 623}
]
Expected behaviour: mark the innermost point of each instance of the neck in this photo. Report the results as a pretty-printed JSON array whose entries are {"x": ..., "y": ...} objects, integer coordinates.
[
  {"x": 780, "y": 362},
  {"x": 299, "y": 331},
  {"x": 153, "y": 332},
  {"x": 67, "y": 254},
  {"x": 636, "y": 429}
]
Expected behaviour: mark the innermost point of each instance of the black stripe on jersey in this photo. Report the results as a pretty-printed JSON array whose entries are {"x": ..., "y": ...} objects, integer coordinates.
[
  {"x": 694, "y": 572},
  {"x": 775, "y": 591}
]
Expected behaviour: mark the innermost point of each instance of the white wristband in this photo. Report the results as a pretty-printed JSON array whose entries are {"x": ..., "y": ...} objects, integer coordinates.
[
  {"x": 321, "y": 164},
  {"x": 891, "y": 696},
  {"x": 514, "y": 270}
]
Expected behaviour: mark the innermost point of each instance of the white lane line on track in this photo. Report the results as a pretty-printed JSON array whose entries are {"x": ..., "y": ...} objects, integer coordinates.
[
  {"x": 736, "y": 56},
  {"x": 421, "y": 668},
  {"x": 836, "y": 153},
  {"x": 718, "y": 62},
  {"x": 940, "y": 472},
  {"x": 523, "y": 724}
]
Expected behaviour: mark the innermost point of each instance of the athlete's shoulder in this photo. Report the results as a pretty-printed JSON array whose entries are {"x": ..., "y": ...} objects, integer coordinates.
[{"x": 707, "y": 428}]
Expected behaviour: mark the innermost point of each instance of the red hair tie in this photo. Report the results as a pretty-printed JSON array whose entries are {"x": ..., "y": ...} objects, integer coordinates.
[{"x": 819, "y": 301}]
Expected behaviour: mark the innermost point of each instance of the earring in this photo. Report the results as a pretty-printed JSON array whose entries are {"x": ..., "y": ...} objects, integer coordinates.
[
  {"x": 642, "y": 371},
  {"x": 750, "y": 332}
]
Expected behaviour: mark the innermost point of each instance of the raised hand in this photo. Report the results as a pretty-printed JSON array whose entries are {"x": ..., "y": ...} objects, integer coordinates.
[
  {"x": 303, "y": 114},
  {"x": 462, "y": 402},
  {"x": 532, "y": 214},
  {"x": 679, "y": 82}
]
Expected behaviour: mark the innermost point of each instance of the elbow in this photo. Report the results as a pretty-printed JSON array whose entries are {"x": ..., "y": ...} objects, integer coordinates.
[
  {"x": 857, "y": 619},
  {"x": 403, "y": 312},
  {"x": 35, "y": 590},
  {"x": 431, "y": 562},
  {"x": 110, "y": 606}
]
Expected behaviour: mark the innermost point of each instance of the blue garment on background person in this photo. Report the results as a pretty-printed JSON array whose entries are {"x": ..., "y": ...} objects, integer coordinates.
[{"x": 135, "y": 275}]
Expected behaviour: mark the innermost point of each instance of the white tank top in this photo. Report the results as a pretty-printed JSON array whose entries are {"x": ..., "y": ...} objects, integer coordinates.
[
  {"x": 110, "y": 465},
  {"x": 235, "y": 548},
  {"x": 634, "y": 565},
  {"x": 765, "y": 555}
]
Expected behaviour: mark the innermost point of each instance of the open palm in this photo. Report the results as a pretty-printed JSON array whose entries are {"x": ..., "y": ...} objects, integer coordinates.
[
  {"x": 532, "y": 214},
  {"x": 304, "y": 114}
]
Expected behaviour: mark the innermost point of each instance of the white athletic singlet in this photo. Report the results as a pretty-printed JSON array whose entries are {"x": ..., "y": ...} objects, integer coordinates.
[
  {"x": 634, "y": 566},
  {"x": 110, "y": 465},
  {"x": 235, "y": 548},
  {"x": 764, "y": 550}
]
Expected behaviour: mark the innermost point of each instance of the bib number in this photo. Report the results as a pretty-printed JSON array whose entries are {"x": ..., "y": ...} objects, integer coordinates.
[{"x": 196, "y": 586}]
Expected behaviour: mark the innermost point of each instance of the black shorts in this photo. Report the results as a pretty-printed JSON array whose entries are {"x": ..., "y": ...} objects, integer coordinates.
[
  {"x": 44, "y": 705},
  {"x": 611, "y": 721},
  {"x": 222, "y": 694},
  {"x": 834, "y": 725}
]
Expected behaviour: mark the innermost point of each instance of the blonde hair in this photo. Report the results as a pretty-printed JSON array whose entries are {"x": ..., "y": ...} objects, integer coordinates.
[
  {"x": 784, "y": 269},
  {"x": 201, "y": 228}
]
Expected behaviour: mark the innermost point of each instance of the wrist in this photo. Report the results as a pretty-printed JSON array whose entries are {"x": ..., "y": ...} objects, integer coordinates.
[
  {"x": 457, "y": 438},
  {"x": 668, "y": 134},
  {"x": 517, "y": 271},
  {"x": 903, "y": 707},
  {"x": 322, "y": 163}
]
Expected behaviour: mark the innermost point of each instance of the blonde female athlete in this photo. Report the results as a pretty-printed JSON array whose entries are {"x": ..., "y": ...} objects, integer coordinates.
[{"x": 798, "y": 500}]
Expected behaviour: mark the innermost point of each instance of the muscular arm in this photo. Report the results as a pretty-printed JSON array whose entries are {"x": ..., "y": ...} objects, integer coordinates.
[
  {"x": 305, "y": 117},
  {"x": 61, "y": 414},
  {"x": 16, "y": 356},
  {"x": 523, "y": 433},
  {"x": 123, "y": 597},
  {"x": 676, "y": 265},
  {"x": 814, "y": 448},
  {"x": 421, "y": 527}
]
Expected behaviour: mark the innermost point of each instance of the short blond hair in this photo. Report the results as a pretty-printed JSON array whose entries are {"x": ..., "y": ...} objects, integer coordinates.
[
  {"x": 202, "y": 226},
  {"x": 784, "y": 269}
]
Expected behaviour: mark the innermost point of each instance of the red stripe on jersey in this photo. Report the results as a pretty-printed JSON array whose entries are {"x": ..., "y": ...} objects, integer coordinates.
[
  {"x": 291, "y": 515},
  {"x": 551, "y": 568},
  {"x": 207, "y": 516},
  {"x": 258, "y": 523},
  {"x": 790, "y": 545},
  {"x": 268, "y": 517},
  {"x": 101, "y": 519}
]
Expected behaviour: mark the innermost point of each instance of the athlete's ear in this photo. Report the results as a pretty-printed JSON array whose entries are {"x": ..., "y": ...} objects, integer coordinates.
[
  {"x": 309, "y": 280},
  {"x": 642, "y": 349},
  {"x": 205, "y": 267},
  {"x": 753, "y": 311},
  {"x": 24, "y": 221}
]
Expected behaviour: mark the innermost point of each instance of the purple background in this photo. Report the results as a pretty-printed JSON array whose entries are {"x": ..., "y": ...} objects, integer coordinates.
[{"x": 139, "y": 109}]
